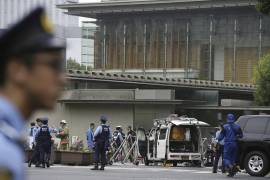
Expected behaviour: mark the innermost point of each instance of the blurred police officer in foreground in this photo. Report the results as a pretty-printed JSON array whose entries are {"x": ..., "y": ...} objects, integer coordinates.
[
  {"x": 44, "y": 141},
  {"x": 230, "y": 133},
  {"x": 102, "y": 138},
  {"x": 31, "y": 78}
]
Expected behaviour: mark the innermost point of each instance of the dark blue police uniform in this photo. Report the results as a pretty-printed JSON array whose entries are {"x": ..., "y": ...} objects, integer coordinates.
[
  {"x": 230, "y": 133},
  {"x": 43, "y": 139},
  {"x": 101, "y": 138}
]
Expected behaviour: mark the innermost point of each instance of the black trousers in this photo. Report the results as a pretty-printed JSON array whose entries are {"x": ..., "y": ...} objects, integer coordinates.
[
  {"x": 100, "y": 153},
  {"x": 45, "y": 153},
  {"x": 36, "y": 154},
  {"x": 218, "y": 155}
]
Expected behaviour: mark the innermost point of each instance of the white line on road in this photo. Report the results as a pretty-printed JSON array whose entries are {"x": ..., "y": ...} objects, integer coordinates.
[{"x": 132, "y": 168}]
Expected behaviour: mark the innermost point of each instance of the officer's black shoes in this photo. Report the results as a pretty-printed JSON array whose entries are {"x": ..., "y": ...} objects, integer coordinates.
[
  {"x": 43, "y": 165},
  {"x": 102, "y": 168},
  {"x": 48, "y": 164},
  {"x": 95, "y": 168},
  {"x": 232, "y": 172},
  {"x": 223, "y": 171}
]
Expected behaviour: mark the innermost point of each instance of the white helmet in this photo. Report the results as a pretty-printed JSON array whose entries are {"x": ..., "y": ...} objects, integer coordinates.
[{"x": 63, "y": 122}]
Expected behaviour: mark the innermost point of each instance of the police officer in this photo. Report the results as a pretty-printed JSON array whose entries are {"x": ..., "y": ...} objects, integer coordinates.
[
  {"x": 102, "y": 137},
  {"x": 132, "y": 134},
  {"x": 36, "y": 153},
  {"x": 117, "y": 136},
  {"x": 132, "y": 138},
  {"x": 31, "y": 132},
  {"x": 31, "y": 78},
  {"x": 219, "y": 148},
  {"x": 43, "y": 139},
  {"x": 90, "y": 137},
  {"x": 230, "y": 133}
]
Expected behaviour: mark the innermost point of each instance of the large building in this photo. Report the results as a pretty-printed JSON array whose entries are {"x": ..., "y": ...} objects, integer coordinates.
[
  {"x": 66, "y": 26},
  {"x": 202, "y": 39},
  {"x": 211, "y": 39}
]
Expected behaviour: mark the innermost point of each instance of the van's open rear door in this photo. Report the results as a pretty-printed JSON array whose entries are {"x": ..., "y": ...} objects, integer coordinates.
[{"x": 162, "y": 143}]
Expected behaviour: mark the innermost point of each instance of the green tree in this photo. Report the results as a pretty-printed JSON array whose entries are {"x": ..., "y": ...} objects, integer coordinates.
[
  {"x": 263, "y": 6},
  {"x": 72, "y": 64},
  {"x": 262, "y": 80}
]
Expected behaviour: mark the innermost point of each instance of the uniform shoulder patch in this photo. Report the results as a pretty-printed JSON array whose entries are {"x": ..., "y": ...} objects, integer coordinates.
[{"x": 5, "y": 174}]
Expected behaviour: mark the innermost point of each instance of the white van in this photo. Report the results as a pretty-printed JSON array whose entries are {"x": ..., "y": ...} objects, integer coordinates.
[{"x": 175, "y": 140}]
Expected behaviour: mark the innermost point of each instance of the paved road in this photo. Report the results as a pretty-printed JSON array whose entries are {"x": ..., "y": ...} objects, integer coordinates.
[{"x": 127, "y": 172}]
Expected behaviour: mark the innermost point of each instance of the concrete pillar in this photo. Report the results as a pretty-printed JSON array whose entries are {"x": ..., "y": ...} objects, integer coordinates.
[
  {"x": 165, "y": 50},
  {"x": 187, "y": 50},
  {"x": 144, "y": 48}
]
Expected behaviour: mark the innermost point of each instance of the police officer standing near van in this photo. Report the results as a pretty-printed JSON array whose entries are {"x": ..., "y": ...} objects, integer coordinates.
[
  {"x": 102, "y": 138},
  {"x": 31, "y": 79}
]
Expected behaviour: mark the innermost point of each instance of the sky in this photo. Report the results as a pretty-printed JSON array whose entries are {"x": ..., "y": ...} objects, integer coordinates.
[{"x": 75, "y": 44}]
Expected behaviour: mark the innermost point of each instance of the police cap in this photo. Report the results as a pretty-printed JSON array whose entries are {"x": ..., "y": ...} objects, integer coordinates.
[
  {"x": 34, "y": 33},
  {"x": 103, "y": 118},
  {"x": 44, "y": 120}
]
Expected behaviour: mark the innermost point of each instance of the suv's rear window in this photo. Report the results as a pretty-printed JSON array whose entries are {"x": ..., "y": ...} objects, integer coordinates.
[
  {"x": 242, "y": 121},
  {"x": 256, "y": 125}
]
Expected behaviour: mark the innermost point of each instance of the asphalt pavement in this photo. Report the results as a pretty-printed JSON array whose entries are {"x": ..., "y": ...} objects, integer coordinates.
[{"x": 128, "y": 172}]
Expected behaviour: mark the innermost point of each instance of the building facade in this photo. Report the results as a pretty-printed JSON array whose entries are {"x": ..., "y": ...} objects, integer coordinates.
[
  {"x": 207, "y": 39},
  {"x": 88, "y": 36}
]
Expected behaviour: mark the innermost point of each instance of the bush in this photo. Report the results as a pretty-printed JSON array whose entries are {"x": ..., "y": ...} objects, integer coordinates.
[
  {"x": 263, "y": 6},
  {"x": 262, "y": 80}
]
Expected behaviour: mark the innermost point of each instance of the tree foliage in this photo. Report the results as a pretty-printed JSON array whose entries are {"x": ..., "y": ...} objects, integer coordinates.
[
  {"x": 263, "y": 6},
  {"x": 72, "y": 64},
  {"x": 262, "y": 80}
]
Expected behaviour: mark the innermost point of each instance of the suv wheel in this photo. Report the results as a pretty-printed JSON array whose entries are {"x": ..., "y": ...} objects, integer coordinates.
[{"x": 256, "y": 163}]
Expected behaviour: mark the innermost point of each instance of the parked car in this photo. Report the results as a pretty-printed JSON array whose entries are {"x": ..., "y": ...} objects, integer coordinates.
[{"x": 254, "y": 147}]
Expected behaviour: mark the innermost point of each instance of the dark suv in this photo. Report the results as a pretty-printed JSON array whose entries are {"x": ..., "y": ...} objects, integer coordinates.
[{"x": 254, "y": 148}]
